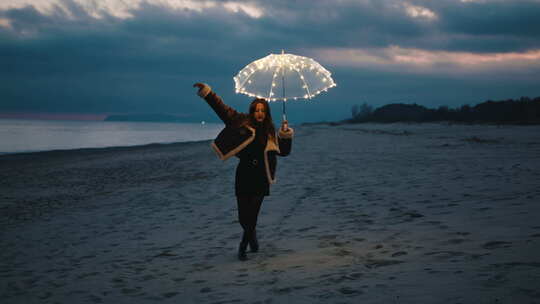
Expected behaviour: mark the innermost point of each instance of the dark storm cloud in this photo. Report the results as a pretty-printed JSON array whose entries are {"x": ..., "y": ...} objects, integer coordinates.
[
  {"x": 148, "y": 62},
  {"x": 515, "y": 18},
  {"x": 113, "y": 66},
  {"x": 338, "y": 24},
  {"x": 486, "y": 26}
]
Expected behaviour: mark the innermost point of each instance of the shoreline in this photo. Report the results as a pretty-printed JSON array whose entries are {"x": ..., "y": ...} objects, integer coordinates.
[
  {"x": 98, "y": 149},
  {"x": 306, "y": 124},
  {"x": 20, "y": 136}
]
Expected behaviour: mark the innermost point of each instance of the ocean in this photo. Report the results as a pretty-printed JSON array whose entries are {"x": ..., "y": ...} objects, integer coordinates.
[{"x": 22, "y": 135}]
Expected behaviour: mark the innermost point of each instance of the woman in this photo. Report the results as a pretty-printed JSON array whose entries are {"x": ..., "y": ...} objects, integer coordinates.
[{"x": 252, "y": 138}]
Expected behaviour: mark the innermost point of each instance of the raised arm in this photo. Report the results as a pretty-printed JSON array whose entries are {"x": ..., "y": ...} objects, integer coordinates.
[{"x": 227, "y": 114}]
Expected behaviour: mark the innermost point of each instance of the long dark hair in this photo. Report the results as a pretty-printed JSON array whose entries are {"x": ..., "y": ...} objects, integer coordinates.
[{"x": 267, "y": 124}]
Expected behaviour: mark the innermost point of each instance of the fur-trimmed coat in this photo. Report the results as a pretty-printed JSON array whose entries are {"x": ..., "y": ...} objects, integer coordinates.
[{"x": 237, "y": 134}]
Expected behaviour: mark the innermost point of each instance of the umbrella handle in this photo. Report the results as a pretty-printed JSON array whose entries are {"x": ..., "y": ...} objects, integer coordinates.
[{"x": 284, "y": 116}]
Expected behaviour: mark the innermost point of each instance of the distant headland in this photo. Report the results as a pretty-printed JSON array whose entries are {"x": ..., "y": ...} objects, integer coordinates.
[{"x": 520, "y": 111}]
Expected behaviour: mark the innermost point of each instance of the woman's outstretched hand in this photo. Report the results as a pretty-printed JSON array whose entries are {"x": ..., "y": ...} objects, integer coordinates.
[
  {"x": 204, "y": 89},
  {"x": 285, "y": 126}
]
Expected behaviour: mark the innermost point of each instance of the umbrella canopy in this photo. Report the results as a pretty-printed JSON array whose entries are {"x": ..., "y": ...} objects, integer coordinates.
[{"x": 283, "y": 77}]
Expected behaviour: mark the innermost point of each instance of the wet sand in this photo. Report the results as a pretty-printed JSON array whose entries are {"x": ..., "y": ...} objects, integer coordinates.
[{"x": 369, "y": 213}]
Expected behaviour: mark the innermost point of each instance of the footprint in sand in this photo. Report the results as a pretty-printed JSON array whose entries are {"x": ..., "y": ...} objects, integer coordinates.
[
  {"x": 454, "y": 241},
  {"x": 205, "y": 290},
  {"x": 170, "y": 294},
  {"x": 430, "y": 223},
  {"x": 306, "y": 229},
  {"x": 376, "y": 263},
  {"x": 443, "y": 255},
  {"x": 496, "y": 244},
  {"x": 95, "y": 299},
  {"x": 165, "y": 253},
  {"x": 88, "y": 274},
  {"x": 342, "y": 278},
  {"x": 350, "y": 291},
  {"x": 130, "y": 291},
  {"x": 44, "y": 295},
  {"x": 147, "y": 277},
  {"x": 495, "y": 281},
  {"x": 284, "y": 290},
  {"x": 328, "y": 237}
]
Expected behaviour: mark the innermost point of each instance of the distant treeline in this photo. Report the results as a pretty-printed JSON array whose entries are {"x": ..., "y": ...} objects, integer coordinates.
[{"x": 522, "y": 111}]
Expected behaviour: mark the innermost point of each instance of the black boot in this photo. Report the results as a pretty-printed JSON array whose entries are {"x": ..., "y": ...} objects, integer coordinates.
[
  {"x": 253, "y": 243},
  {"x": 243, "y": 247},
  {"x": 242, "y": 251}
]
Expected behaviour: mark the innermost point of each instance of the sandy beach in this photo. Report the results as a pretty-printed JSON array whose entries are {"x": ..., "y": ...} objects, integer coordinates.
[{"x": 368, "y": 213}]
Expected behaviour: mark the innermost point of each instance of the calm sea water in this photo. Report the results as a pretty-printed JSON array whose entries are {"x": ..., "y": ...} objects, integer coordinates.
[{"x": 42, "y": 135}]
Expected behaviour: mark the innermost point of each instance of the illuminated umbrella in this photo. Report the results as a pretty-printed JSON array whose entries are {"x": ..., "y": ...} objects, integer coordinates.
[{"x": 283, "y": 77}]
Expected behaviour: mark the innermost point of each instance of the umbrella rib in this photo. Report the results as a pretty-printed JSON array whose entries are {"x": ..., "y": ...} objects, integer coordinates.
[
  {"x": 245, "y": 80},
  {"x": 272, "y": 84},
  {"x": 304, "y": 81}
]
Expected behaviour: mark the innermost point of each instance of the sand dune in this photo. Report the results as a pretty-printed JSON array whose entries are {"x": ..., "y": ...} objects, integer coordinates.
[{"x": 370, "y": 213}]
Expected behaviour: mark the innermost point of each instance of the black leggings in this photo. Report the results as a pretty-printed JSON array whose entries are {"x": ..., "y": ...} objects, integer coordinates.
[{"x": 248, "y": 212}]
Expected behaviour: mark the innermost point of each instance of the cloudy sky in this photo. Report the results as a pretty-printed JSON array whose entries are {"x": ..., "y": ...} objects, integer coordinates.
[{"x": 142, "y": 56}]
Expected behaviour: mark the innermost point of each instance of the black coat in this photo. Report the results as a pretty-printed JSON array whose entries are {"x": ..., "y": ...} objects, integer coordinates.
[{"x": 238, "y": 134}]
